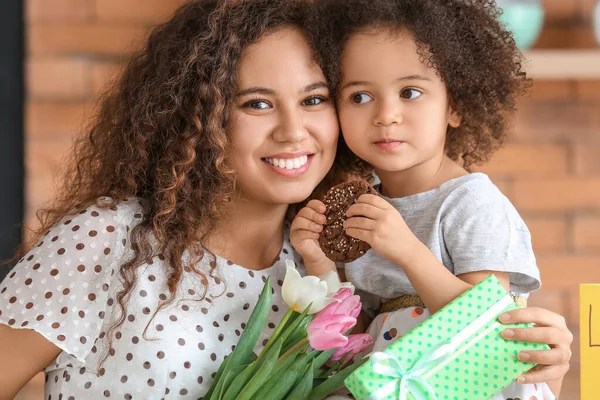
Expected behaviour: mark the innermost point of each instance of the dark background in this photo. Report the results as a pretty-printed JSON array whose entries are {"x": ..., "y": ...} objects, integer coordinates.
[{"x": 11, "y": 129}]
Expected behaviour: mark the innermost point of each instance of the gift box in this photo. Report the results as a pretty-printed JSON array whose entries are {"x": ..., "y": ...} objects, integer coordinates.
[{"x": 458, "y": 353}]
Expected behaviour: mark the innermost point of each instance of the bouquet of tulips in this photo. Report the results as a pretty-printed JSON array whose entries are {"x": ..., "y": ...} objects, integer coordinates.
[{"x": 310, "y": 352}]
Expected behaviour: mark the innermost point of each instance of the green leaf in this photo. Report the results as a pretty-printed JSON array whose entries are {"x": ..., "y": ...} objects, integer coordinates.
[
  {"x": 280, "y": 367},
  {"x": 290, "y": 314},
  {"x": 243, "y": 352},
  {"x": 262, "y": 373},
  {"x": 217, "y": 383},
  {"x": 238, "y": 382},
  {"x": 335, "y": 382},
  {"x": 303, "y": 387},
  {"x": 322, "y": 359},
  {"x": 284, "y": 380}
]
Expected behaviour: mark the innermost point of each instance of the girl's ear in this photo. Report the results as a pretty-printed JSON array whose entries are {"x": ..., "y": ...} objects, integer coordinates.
[{"x": 454, "y": 118}]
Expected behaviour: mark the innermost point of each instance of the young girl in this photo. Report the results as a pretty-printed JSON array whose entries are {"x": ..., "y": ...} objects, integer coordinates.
[
  {"x": 423, "y": 89},
  {"x": 141, "y": 295}
]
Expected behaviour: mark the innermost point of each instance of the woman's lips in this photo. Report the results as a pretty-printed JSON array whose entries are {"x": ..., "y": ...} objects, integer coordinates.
[{"x": 290, "y": 167}]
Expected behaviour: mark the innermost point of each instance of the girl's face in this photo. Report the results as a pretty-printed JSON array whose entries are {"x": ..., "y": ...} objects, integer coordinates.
[
  {"x": 283, "y": 126},
  {"x": 394, "y": 110}
]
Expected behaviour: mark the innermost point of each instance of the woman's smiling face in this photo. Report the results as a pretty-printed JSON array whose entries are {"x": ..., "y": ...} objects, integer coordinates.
[{"x": 283, "y": 126}]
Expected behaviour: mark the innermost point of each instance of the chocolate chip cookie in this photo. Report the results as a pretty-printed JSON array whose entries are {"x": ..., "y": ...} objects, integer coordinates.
[{"x": 335, "y": 243}]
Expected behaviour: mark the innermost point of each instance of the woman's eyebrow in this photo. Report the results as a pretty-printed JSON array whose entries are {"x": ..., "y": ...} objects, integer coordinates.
[
  {"x": 314, "y": 86},
  {"x": 271, "y": 92}
]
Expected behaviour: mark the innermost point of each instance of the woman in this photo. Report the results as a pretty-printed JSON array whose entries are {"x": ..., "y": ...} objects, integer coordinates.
[
  {"x": 173, "y": 213},
  {"x": 142, "y": 294}
]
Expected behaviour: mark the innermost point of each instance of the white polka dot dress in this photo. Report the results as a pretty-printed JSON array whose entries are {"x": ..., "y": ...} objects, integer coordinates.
[{"x": 65, "y": 289}]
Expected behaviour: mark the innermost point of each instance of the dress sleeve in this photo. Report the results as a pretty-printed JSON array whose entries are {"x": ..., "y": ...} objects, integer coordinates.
[{"x": 60, "y": 288}]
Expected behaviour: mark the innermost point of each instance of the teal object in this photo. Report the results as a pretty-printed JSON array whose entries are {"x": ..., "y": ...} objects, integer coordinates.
[{"x": 524, "y": 20}]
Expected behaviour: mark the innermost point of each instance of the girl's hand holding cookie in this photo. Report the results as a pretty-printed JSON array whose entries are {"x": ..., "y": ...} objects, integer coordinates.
[
  {"x": 305, "y": 231},
  {"x": 373, "y": 220}
]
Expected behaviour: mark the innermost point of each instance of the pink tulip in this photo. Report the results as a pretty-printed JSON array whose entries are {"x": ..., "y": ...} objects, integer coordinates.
[
  {"x": 328, "y": 328},
  {"x": 348, "y": 304},
  {"x": 356, "y": 344},
  {"x": 326, "y": 332}
]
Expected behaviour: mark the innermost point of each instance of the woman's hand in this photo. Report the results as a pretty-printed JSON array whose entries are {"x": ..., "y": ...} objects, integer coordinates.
[{"x": 550, "y": 328}]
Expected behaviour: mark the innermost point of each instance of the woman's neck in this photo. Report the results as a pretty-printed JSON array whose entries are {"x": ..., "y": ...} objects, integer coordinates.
[
  {"x": 423, "y": 177},
  {"x": 249, "y": 235}
]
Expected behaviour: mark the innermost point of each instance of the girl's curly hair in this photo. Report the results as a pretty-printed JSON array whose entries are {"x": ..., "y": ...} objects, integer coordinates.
[
  {"x": 160, "y": 134},
  {"x": 475, "y": 56}
]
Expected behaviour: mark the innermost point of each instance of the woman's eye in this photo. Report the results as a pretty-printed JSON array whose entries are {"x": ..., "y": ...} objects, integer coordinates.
[
  {"x": 257, "y": 104},
  {"x": 314, "y": 101},
  {"x": 361, "y": 98},
  {"x": 410, "y": 94}
]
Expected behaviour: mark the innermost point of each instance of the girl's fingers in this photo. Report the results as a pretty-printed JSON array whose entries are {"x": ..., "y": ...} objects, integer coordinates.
[
  {"x": 312, "y": 215},
  {"x": 317, "y": 205},
  {"x": 360, "y": 234},
  {"x": 374, "y": 200},
  {"x": 363, "y": 210},
  {"x": 301, "y": 223},
  {"x": 360, "y": 223}
]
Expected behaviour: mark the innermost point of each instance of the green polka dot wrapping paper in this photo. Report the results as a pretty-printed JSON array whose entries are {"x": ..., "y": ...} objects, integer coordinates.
[{"x": 456, "y": 354}]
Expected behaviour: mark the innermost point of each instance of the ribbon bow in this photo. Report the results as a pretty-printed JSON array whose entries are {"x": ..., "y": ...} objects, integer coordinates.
[{"x": 407, "y": 381}]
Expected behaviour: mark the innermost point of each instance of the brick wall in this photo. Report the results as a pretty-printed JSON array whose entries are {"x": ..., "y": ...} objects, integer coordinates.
[{"x": 550, "y": 168}]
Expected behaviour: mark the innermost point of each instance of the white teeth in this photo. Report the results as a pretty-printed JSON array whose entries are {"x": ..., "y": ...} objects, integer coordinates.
[{"x": 288, "y": 163}]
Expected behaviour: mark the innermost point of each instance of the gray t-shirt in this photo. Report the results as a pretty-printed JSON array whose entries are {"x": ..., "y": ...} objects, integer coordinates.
[{"x": 469, "y": 225}]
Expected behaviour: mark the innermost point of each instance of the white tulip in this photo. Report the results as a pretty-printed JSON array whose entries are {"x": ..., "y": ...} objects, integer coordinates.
[
  {"x": 334, "y": 284},
  {"x": 298, "y": 292}
]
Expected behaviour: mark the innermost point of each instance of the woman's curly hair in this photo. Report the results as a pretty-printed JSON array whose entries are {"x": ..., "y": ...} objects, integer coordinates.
[
  {"x": 475, "y": 56},
  {"x": 160, "y": 134}
]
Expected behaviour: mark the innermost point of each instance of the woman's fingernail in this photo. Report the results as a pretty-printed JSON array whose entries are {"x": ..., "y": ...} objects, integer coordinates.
[
  {"x": 508, "y": 333},
  {"x": 521, "y": 379},
  {"x": 504, "y": 317},
  {"x": 524, "y": 356}
]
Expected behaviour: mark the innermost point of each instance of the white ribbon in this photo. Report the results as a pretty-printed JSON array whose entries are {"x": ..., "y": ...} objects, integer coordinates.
[{"x": 414, "y": 380}]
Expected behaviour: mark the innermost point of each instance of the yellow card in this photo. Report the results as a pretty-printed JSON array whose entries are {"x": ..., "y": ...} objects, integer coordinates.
[{"x": 589, "y": 303}]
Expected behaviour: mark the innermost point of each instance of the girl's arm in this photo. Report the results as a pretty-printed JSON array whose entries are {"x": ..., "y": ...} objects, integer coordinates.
[
  {"x": 378, "y": 223},
  {"x": 422, "y": 266},
  {"x": 24, "y": 353}
]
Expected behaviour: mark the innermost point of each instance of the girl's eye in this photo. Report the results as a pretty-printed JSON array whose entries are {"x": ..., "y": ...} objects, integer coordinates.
[
  {"x": 410, "y": 94},
  {"x": 361, "y": 98},
  {"x": 257, "y": 104},
  {"x": 314, "y": 101}
]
